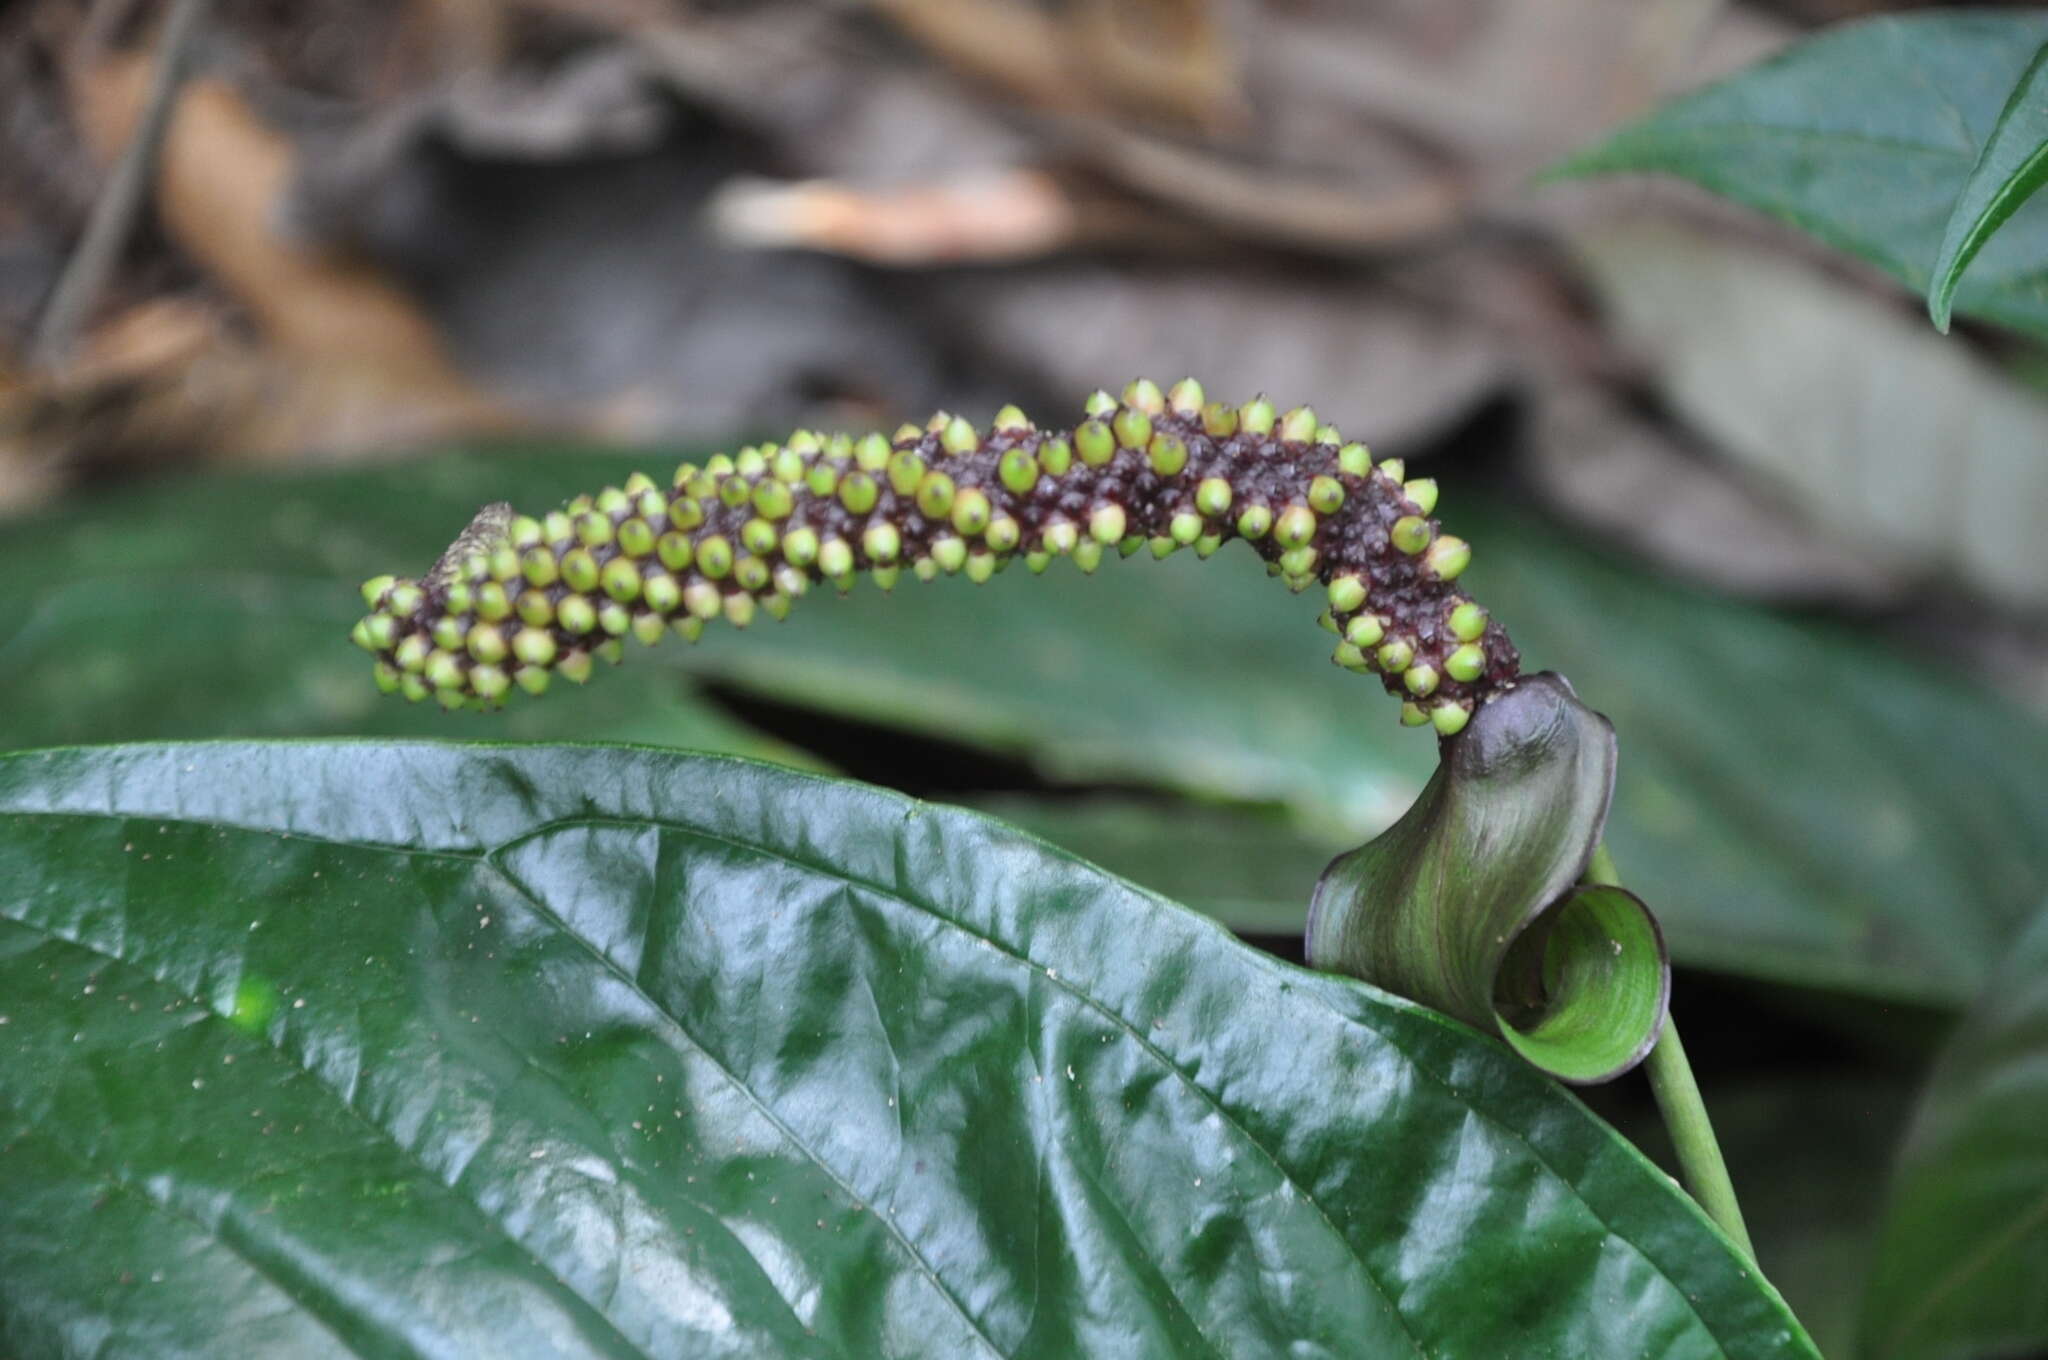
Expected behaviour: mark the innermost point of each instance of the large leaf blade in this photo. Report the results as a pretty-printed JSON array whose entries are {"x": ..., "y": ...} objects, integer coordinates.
[
  {"x": 1865, "y": 136},
  {"x": 725, "y": 1059},
  {"x": 129, "y": 1209}
]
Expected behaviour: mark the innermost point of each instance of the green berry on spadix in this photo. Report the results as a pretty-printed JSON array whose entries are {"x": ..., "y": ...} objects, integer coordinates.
[{"x": 516, "y": 599}]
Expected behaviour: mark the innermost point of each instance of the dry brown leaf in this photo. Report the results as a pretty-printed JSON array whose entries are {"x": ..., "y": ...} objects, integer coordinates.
[
  {"x": 1385, "y": 367},
  {"x": 1634, "y": 481},
  {"x": 827, "y": 103},
  {"x": 170, "y": 380},
  {"x": 340, "y": 361},
  {"x": 1498, "y": 87},
  {"x": 1841, "y": 399},
  {"x": 1287, "y": 209},
  {"x": 349, "y": 360},
  {"x": 1159, "y": 60},
  {"x": 223, "y": 174},
  {"x": 159, "y": 335}
]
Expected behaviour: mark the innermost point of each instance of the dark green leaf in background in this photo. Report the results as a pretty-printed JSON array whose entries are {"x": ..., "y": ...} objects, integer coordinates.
[
  {"x": 1808, "y": 1145},
  {"x": 1964, "y": 1251},
  {"x": 1876, "y": 137},
  {"x": 603, "y": 1051},
  {"x": 213, "y": 607},
  {"x": 1249, "y": 867},
  {"x": 1795, "y": 800},
  {"x": 1809, "y": 1153}
]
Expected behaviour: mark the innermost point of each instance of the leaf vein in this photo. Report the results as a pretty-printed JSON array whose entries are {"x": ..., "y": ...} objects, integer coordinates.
[
  {"x": 888, "y": 1223},
  {"x": 406, "y": 1153},
  {"x": 168, "y": 1209},
  {"x": 1130, "y": 1029}
]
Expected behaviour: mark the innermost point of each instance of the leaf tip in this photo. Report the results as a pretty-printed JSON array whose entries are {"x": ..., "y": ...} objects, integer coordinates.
[{"x": 1941, "y": 292}]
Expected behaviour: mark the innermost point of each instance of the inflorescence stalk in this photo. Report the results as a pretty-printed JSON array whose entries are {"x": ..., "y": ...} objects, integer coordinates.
[{"x": 517, "y": 600}]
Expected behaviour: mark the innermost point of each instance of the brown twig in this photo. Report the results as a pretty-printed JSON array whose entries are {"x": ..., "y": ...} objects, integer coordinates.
[{"x": 113, "y": 211}]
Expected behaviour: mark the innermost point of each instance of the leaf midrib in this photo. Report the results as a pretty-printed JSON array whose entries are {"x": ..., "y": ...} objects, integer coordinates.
[{"x": 1623, "y": 152}]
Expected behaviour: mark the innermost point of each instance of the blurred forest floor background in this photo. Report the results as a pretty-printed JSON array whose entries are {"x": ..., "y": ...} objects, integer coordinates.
[
  {"x": 1732, "y": 474},
  {"x": 374, "y": 227}
]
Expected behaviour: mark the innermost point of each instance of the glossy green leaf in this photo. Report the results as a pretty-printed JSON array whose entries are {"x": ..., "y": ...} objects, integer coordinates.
[
  {"x": 2012, "y": 165},
  {"x": 1869, "y": 136},
  {"x": 1467, "y": 903},
  {"x": 1795, "y": 800},
  {"x": 471, "y": 1050},
  {"x": 1964, "y": 1250}
]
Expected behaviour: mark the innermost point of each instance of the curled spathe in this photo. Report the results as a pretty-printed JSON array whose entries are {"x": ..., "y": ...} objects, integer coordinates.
[{"x": 1474, "y": 902}]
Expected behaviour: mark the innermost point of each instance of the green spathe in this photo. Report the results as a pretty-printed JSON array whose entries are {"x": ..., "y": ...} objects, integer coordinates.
[{"x": 1468, "y": 903}]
